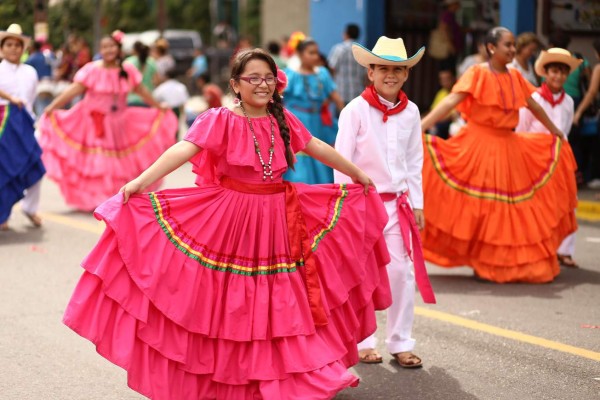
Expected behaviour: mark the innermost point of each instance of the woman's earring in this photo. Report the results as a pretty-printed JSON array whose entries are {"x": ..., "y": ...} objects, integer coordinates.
[
  {"x": 271, "y": 101},
  {"x": 237, "y": 101}
]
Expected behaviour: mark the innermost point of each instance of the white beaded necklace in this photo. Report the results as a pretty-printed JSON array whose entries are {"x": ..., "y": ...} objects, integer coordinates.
[{"x": 267, "y": 169}]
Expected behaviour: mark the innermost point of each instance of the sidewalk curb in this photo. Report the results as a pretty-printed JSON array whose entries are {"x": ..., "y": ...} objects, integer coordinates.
[{"x": 588, "y": 210}]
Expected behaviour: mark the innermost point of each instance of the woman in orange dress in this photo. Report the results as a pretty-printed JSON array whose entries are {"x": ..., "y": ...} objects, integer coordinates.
[{"x": 496, "y": 200}]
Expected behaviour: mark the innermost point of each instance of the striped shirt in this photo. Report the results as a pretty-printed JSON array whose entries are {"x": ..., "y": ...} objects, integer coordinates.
[{"x": 349, "y": 75}]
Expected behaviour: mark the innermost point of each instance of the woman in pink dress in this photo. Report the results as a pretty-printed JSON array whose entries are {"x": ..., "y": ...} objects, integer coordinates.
[
  {"x": 94, "y": 148},
  {"x": 247, "y": 286}
]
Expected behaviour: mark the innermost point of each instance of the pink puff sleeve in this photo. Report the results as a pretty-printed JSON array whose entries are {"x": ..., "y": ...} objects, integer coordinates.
[
  {"x": 299, "y": 135},
  {"x": 209, "y": 131},
  {"x": 86, "y": 74}
]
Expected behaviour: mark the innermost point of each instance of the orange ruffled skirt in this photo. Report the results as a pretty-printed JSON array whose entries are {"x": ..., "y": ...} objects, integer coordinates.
[{"x": 498, "y": 201}]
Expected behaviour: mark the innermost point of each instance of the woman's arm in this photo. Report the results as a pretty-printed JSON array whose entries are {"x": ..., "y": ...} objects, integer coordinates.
[
  {"x": 541, "y": 115},
  {"x": 330, "y": 157},
  {"x": 74, "y": 89},
  {"x": 442, "y": 109},
  {"x": 170, "y": 160},
  {"x": 589, "y": 95},
  {"x": 141, "y": 90},
  {"x": 337, "y": 100},
  {"x": 11, "y": 99}
]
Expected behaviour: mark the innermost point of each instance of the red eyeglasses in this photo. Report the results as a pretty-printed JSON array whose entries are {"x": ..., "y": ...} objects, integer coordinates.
[{"x": 257, "y": 80}]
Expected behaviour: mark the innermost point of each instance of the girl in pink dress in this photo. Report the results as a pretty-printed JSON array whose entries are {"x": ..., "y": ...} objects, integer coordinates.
[
  {"x": 94, "y": 148},
  {"x": 247, "y": 286}
]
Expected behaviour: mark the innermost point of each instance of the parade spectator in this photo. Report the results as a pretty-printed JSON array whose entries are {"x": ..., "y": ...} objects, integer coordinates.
[
  {"x": 446, "y": 80},
  {"x": 293, "y": 61},
  {"x": 82, "y": 53},
  {"x": 492, "y": 179},
  {"x": 213, "y": 95},
  {"x": 224, "y": 35},
  {"x": 349, "y": 76},
  {"x": 275, "y": 51},
  {"x": 574, "y": 87},
  {"x": 527, "y": 45},
  {"x": 42, "y": 62},
  {"x": 588, "y": 99},
  {"x": 172, "y": 92},
  {"x": 199, "y": 65},
  {"x": 164, "y": 60},
  {"x": 454, "y": 32},
  {"x": 147, "y": 66},
  {"x": 473, "y": 59}
]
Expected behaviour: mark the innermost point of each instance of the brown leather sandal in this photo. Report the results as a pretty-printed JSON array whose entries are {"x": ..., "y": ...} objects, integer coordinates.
[
  {"x": 407, "y": 359},
  {"x": 370, "y": 356}
]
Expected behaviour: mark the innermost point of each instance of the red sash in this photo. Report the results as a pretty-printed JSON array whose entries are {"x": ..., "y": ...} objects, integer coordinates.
[
  {"x": 547, "y": 95},
  {"x": 371, "y": 96},
  {"x": 409, "y": 229}
]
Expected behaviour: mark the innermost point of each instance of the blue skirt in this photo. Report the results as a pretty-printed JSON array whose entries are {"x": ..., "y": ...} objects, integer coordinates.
[{"x": 20, "y": 163}]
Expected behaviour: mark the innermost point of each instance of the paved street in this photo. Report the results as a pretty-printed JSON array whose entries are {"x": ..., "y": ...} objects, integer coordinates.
[{"x": 482, "y": 341}]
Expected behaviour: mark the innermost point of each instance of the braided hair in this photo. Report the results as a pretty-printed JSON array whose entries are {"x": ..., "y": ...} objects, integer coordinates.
[{"x": 276, "y": 107}]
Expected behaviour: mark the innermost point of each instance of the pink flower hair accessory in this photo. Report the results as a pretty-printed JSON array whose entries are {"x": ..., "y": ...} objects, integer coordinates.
[
  {"x": 282, "y": 81},
  {"x": 118, "y": 36}
]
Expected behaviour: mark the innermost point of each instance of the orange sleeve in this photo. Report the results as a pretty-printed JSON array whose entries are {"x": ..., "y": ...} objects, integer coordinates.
[{"x": 467, "y": 81}]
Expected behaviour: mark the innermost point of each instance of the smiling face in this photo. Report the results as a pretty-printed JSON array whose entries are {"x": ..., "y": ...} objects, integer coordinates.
[
  {"x": 556, "y": 76},
  {"x": 109, "y": 50},
  {"x": 388, "y": 80},
  {"x": 255, "y": 98},
  {"x": 12, "y": 49},
  {"x": 504, "y": 50}
]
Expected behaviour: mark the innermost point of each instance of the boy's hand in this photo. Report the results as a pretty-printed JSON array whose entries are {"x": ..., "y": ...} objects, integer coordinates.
[{"x": 419, "y": 218}]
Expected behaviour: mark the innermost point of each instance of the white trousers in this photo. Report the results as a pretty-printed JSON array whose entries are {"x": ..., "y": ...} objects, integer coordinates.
[
  {"x": 567, "y": 247},
  {"x": 31, "y": 201},
  {"x": 400, "y": 270}
]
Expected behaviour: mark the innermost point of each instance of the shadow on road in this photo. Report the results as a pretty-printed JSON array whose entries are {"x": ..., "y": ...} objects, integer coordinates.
[
  {"x": 29, "y": 235},
  {"x": 424, "y": 384},
  {"x": 467, "y": 285}
]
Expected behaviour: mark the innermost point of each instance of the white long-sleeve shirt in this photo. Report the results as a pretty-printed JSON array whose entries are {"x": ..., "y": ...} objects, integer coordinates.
[
  {"x": 19, "y": 80},
  {"x": 391, "y": 152},
  {"x": 561, "y": 115}
]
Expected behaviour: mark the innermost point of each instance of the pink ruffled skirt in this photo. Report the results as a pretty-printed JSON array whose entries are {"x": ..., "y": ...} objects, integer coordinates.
[
  {"x": 91, "y": 155},
  {"x": 195, "y": 293}
]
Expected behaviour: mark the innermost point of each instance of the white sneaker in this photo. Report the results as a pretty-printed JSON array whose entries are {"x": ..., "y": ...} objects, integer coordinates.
[{"x": 594, "y": 184}]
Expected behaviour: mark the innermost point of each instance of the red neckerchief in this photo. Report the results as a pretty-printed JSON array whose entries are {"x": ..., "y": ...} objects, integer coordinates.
[
  {"x": 545, "y": 92},
  {"x": 371, "y": 96}
]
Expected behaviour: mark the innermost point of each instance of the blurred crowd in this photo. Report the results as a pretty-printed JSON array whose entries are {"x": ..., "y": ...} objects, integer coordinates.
[{"x": 205, "y": 82}]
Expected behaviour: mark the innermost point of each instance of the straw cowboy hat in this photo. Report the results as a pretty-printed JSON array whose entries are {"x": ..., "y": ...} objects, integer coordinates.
[
  {"x": 15, "y": 31},
  {"x": 555, "y": 55},
  {"x": 386, "y": 52}
]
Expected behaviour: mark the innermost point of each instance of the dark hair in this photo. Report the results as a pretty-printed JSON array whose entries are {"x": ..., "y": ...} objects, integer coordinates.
[
  {"x": 493, "y": 36},
  {"x": 37, "y": 46},
  {"x": 352, "y": 31},
  {"x": 558, "y": 65},
  {"x": 142, "y": 51},
  {"x": 171, "y": 73},
  {"x": 273, "y": 47},
  {"x": 304, "y": 44},
  {"x": 560, "y": 39},
  {"x": 205, "y": 77},
  {"x": 276, "y": 108},
  {"x": 122, "y": 73}
]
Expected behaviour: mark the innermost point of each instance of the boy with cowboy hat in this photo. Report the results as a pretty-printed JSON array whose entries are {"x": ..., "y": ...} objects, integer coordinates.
[
  {"x": 380, "y": 131},
  {"x": 554, "y": 65},
  {"x": 18, "y": 85}
]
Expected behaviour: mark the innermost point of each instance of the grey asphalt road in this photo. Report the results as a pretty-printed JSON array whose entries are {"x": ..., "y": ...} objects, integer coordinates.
[{"x": 552, "y": 350}]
